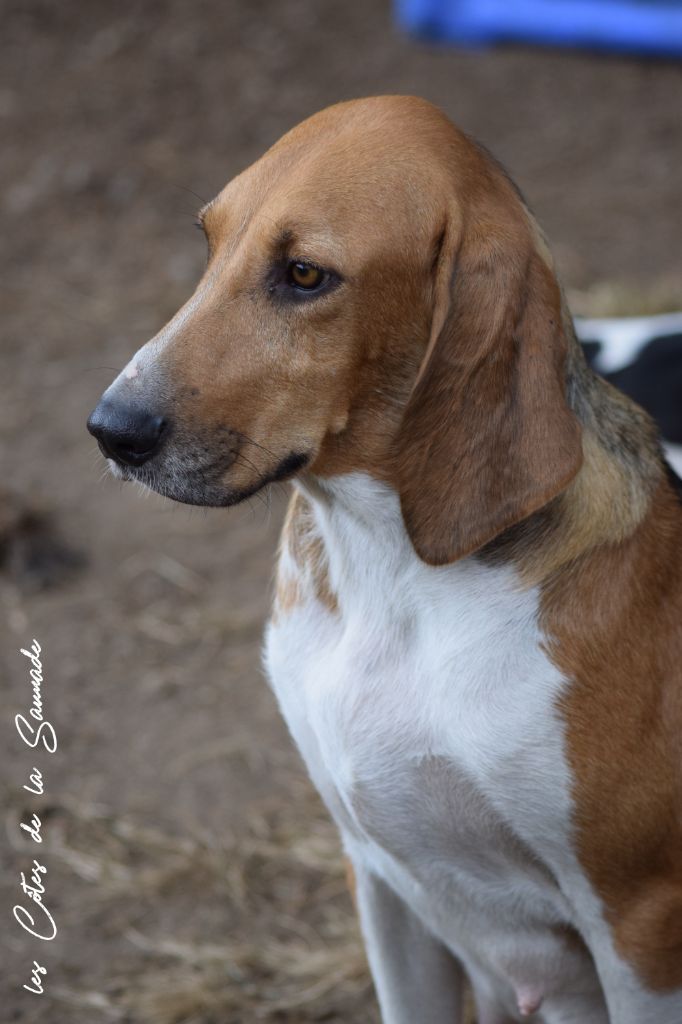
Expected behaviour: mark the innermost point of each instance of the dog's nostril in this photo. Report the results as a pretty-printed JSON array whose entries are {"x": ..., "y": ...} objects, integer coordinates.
[
  {"x": 126, "y": 434},
  {"x": 137, "y": 445}
]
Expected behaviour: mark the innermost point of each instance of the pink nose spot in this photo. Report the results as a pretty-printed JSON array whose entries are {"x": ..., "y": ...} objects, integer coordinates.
[
  {"x": 528, "y": 999},
  {"x": 130, "y": 370}
]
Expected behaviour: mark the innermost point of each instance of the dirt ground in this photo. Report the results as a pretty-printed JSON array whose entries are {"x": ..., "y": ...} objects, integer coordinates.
[{"x": 192, "y": 873}]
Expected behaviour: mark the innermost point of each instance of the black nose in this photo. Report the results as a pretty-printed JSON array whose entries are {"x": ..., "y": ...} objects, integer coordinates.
[{"x": 124, "y": 433}]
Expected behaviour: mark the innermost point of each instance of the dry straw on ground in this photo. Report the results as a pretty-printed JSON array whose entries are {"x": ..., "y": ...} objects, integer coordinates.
[
  {"x": 259, "y": 927},
  {"x": 289, "y": 949}
]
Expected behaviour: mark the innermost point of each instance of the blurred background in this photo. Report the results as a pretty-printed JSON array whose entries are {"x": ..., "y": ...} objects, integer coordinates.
[{"x": 192, "y": 873}]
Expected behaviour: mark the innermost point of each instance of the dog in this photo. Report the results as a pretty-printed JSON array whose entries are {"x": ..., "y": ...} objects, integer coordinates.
[{"x": 476, "y": 634}]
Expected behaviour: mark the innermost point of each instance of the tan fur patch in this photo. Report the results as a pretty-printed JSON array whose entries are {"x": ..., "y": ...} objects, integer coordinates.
[
  {"x": 304, "y": 574},
  {"x": 288, "y": 595},
  {"x": 603, "y": 504}
]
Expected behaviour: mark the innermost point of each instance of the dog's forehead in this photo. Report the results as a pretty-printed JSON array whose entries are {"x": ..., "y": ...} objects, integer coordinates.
[
  {"x": 392, "y": 137},
  {"x": 355, "y": 164}
]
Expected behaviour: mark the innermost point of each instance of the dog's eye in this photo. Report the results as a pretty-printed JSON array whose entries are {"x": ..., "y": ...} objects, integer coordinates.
[{"x": 305, "y": 276}]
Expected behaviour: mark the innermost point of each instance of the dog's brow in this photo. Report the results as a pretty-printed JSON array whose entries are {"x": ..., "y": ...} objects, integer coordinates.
[
  {"x": 284, "y": 237},
  {"x": 308, "y": 241}
]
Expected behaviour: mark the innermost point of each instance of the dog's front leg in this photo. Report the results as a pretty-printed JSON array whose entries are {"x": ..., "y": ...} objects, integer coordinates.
[{"x": 416, "y": 978}]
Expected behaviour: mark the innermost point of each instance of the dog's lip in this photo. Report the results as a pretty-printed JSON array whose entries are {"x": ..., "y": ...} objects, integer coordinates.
[
  {"x": 204, "y": 483},
  {"x": 117, "y": 470}
]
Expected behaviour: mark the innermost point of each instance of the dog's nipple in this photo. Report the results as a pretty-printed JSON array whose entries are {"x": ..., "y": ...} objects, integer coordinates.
[
  {"x": 130, "y": 370},
  {"x": 528, "y": 999}
]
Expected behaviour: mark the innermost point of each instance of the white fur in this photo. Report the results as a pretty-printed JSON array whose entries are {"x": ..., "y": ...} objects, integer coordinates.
[
  {"x": 673, "y": 453},
  {"x": 426, "y": 711}
]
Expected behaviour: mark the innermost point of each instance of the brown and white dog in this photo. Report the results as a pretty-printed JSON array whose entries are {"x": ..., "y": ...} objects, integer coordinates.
[{"x": 476, "y": 638}]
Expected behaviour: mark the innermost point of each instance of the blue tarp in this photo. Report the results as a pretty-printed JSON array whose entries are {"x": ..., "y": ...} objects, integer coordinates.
[{"x": 653, "y": 27}]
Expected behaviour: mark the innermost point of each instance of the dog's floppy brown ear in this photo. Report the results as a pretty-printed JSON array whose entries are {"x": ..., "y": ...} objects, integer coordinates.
[{"x": 487, "y": 436}]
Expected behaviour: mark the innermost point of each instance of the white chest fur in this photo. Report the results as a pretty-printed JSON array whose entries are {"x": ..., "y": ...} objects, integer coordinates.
[{"x": 425, "y": 708}]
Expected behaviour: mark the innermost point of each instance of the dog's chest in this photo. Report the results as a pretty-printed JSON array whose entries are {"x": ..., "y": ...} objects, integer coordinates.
[
  {"x": 376, "y": 700},
  {"x": 425, "y": 708}
]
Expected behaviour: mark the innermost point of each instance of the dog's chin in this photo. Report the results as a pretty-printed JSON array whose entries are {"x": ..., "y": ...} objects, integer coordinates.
[{"x": 191, "y": 489}]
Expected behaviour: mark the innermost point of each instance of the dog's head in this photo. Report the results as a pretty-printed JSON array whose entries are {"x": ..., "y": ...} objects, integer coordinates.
[{"x": 376, "y": 298}]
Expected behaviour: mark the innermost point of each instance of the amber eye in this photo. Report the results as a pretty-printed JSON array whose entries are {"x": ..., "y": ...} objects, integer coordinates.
[{"x": 303, "y": 275}]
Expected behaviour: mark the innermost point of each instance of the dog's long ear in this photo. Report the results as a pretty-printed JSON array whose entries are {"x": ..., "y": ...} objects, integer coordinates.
[{"x": 487, "y": 436}]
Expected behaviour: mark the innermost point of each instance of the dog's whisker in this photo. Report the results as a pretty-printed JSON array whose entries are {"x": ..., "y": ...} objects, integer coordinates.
[
  {"x": 247, "y": 462},
  {"x": 250, "y": 440}
]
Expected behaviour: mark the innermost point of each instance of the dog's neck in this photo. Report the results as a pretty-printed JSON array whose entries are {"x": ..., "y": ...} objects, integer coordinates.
[
  {"x": 612, "y": 493},
  {"x": 603, "y": 505},
  {"x": 375, "y": 574},
  {"x": 358, "y": 503}
]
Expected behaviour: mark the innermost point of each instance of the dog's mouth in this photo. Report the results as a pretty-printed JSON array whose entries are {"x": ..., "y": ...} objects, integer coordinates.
[
  {"x": 190, "y": 474},
  {"x": 191, "y": 462}
]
